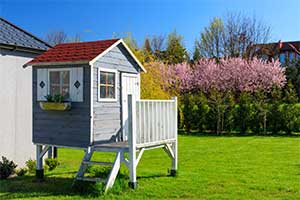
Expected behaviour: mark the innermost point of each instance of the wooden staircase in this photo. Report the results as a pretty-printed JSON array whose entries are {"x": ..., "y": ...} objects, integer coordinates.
[{"x": 109, "y": 181}]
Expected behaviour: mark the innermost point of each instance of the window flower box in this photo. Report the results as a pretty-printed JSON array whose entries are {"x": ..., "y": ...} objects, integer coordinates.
[{"x": 64, "y": 106}]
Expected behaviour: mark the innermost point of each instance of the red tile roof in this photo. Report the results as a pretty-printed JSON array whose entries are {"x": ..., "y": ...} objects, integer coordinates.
[{"x": 73, "y": 52}]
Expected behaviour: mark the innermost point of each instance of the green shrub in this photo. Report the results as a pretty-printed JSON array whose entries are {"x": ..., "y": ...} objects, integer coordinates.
[
  {"x": 52, "y": 163},
  {"x": 31, "y": 166},
  {"x": 290, "y": 117},
  {"x": 244, "y": 112},
  {"x": 7, "y": 168},
  {"x": 21, "y": 171}
]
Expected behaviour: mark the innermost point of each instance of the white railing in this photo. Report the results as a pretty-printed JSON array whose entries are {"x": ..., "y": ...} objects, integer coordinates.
[
  {"x": 151, "y": 124},
  {"x": 155, "y": 121}
]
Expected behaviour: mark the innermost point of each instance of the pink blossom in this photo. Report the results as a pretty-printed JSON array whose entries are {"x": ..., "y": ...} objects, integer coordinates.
[{"x": 234, "y": 74}]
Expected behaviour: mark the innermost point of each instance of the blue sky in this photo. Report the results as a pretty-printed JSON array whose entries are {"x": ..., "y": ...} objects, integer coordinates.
[{"x": 95, "y": 20}]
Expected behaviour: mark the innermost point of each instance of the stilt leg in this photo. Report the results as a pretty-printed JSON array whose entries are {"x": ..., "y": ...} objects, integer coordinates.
[
  {"x": 175, "y": 159},
  {"x": 132, "y": 141},
  {"x": 132, "y": 170},
  {"x": 50, "y": 152},
  {"x": 39, "y": 163},
  {"x": 54, "y": 152}
]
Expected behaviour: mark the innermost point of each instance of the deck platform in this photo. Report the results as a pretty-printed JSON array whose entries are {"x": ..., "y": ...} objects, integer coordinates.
[{"x": 112, "y": 147}]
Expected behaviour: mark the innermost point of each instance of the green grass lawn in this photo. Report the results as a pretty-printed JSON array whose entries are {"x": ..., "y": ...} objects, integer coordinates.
[{"x": 209, "y": 168}]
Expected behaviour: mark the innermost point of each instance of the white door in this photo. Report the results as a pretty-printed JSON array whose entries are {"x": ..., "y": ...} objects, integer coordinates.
[{"x": 130, "y": 85}]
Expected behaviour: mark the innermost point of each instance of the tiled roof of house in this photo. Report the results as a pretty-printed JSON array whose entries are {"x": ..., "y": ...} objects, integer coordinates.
[
  {"x": 285, "y": 46},
  {"x": 11, "y": 34},
  {"x": 73, "y": 52}
]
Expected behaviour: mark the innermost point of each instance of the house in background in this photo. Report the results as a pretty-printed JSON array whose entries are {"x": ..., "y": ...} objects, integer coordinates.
[
  {"x": 289, "y": 51},
  {"x": 284, "y": 51},
  {"x": 17, "y": 47}
]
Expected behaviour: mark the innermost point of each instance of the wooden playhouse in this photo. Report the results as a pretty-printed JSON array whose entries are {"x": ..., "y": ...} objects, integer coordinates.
[{"x": 87, "y": 95}]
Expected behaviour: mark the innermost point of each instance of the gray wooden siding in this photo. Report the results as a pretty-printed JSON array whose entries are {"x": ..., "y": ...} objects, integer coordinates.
[
  {"x": 108, "y": 115},
  {"x": 66, "y": 128}
]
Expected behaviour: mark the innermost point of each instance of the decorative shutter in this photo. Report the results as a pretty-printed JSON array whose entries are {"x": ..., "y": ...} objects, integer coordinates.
[
  {"x": 76, "y": 84},
  {"x": 42, "y": 84}
]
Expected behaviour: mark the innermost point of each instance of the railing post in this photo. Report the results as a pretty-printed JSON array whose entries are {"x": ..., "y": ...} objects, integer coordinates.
[
  {"x": 132, "y": 141},
  {"x": 175, "y": 144}
]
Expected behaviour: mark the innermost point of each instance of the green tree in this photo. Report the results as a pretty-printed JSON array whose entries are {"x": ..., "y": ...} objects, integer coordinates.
[
  {"x": 175, "y": 51},
  {"x": 197, "y": 53},
  {"x": 261, "y": 106},
  {"x": 130, "y": 41},
  {"x": 211, "y": 42},
  {"x": 152, "y": 83},
  {"x": 244, "y": 112},
  {"x": 147, "y": 51},
  {"x": 275, "y": 117},
  {"x": 292, "y": 73},
  {"x": 290, "y": 95},
  {"x": 147, "y": 46}
]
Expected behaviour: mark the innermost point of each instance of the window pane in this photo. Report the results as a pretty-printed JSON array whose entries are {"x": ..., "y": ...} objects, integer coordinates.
[
  {"x": 107, "y": 78},
  {"x": 54, "y": 89},
  {"x": 282, "y": 58},
  {"x": 111, "y": 78},
  {"x": 54, "y": 77},
  {"x": 291, "y": 56},
  {"x": 102, "y": 77},
  {"x": 60, "y": 83},
  {"x": 65, "y": 77},
  {"x": 107, "y": 85},
  {"x": 111, "y": 92},
  {"x": 54, "y": 83},
  {"x": 65, "y": 80},
  {"x": 102, "y": 92}
]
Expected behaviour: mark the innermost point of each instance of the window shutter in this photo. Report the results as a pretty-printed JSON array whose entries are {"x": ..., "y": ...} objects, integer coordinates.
[
  {"x": 42, "y": 84},
  {"x": 76, "y": 84}
]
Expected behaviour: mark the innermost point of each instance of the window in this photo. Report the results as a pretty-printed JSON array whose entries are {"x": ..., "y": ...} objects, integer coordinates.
[
  {"x": 291, "y": 56},
  {"x": 282, "y": 57},
  {"x": 59, "y": 83},
  {"x": 107, "y": 88}
]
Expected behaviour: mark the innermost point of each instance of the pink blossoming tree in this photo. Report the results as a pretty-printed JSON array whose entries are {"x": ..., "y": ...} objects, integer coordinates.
[
  {"x": 235, "y": 75},
  {"x": 220, "y": 79}
]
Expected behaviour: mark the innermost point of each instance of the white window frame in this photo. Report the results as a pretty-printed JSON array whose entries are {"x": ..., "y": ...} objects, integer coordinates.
[
  {"x": 116, "y": 85},
  {"x": 59, "y": 70}
]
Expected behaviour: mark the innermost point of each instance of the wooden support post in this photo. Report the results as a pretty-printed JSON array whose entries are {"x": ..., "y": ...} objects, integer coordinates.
[
  {"x": 114, "y": 171},
  {"x": 132, "y": 141},
  {"x": 87, "y": 157},
  {"x": 39, "y": 173},
  {"x": 50, "y": 152},
  {"x": 175, "y": 144},
  {"x": 54, "y": 152}
]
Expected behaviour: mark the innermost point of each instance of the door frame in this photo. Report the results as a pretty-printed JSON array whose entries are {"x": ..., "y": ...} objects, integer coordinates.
[{"x": 124, "y": 74}]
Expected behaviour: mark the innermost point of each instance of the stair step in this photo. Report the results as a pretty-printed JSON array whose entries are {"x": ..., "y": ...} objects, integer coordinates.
[
  {"x": 104, "y": 180},
  {"x": 97, "y": 163}
]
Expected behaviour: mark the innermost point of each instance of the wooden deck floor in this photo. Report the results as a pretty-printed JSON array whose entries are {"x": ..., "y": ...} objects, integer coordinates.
[{"x": 116, "y": 146}]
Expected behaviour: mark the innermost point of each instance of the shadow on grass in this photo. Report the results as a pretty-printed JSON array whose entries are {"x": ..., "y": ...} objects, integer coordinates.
[
  {"x": 152, "y": 176},
  {"x": 27, "y": 187},
  {"x": 60, "y": 184}
]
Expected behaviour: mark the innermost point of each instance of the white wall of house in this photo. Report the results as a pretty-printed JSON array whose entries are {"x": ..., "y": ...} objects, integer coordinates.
[{"x": 16, "y": 107}]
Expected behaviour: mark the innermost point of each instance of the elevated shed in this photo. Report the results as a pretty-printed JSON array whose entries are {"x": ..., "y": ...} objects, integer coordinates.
[{"x": 87, "y": 95}]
